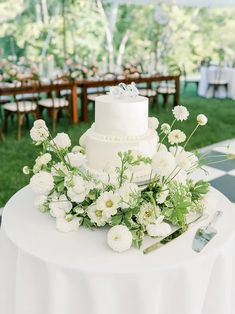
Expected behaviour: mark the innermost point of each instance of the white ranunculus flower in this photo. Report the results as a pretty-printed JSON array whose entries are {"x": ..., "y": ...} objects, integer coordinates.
[
  {"x": 119, "y": 238},
  {"x": 161, "y": 197},
  {"x": 39, "y": 134},
  {"x": 180, "y": 113},
  {"x": 42, "y": 182},
  {"x": 176, "y": 137},
  {"x": 43, "y": 159},
  {"x": 60, "y": 206},
  {"x": 163, "y": 163},
  {"x": 39, "y": 123},
  {"x": 153, "y": 123},
  {"x": 25, "y": 170},
  {"x": 97, "y": 215},
  {"x": 75, "y": 159},
  {"x": 66, "y": 226},
  {"x": 75, "y": 195},
  {"x": 61, "y": 141},
  {"x": 109, "y": 202},
  {"x": 147, "y": 214},
  {"x": 126, "y": 193},
  {"x": 40, "y": 203},
  {"x": 60, "y": 166},
  {"x": 202, "y": 119},
  {"x": 165, "y": 128}
]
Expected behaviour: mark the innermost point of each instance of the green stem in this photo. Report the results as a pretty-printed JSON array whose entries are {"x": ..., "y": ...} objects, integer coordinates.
[{"x": 190, "y": 136}]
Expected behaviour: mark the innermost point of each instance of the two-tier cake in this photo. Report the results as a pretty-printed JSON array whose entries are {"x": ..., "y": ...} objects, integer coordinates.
[{"x": 121, "y": 124}]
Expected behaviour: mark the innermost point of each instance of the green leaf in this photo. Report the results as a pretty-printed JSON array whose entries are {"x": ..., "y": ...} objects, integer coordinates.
[{"x": 116, "y": 220}]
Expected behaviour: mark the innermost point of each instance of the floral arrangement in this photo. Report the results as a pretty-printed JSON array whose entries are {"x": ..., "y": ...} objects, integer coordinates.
[{"x": 77, "y": 198}]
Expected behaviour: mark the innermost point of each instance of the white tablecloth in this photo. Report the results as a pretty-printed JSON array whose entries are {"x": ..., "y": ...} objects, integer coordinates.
[
  {"x": 43, "y": 271},
  {"x": 210, "y": 73}
]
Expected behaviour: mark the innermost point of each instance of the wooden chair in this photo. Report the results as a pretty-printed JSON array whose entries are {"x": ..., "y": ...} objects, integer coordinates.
[
  {"x": 167, "y": 88},
  {"x": 55, "y": 103},
  {"x": 22, "y": 108},
  {"x": 92, "y": 94},
  {"x": 216, "y": 81}
]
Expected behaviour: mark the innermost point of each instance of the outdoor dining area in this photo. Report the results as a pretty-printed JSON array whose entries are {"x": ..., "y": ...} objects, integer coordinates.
[{"x": 117, "y": 157}]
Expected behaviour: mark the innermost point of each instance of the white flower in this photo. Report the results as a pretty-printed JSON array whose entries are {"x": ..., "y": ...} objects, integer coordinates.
[
  {"x": 159, "y": 228},
  {"x": 76, "y": 189},
  {"x": 61, "y": 141},
  {"x": 39, "y": 124},
  {"x": 119, "y": 238},
  {"x": 97, "y": 215},
  {"x": 165, "y": 128},
  {"x": 75, "y": 159},
  {"x": 60, "y": 206},
  {"x": 39, "y": 134},
  {"x": 180, "y": 113},
  {"x": 42, "y": 182},
  {"x": 77, "y": 149},
  {"x": 147, "y": 214},
  {"x": 60, "y": 166},
  {"x": 43, "y": 159},
  {"x": 126, "y": 193},
  {"x": 109, "y": 202},
  {"x": 161, "y": 197},
  {"x": 40, "y": 203},
  {"x": 153, "y": 123},
  {"x": 202, "y": 119},
  {"x": 161, "y": 148},
  {"x": 66, "y": 226},
  {"x": 76, "y": 196},
  {"x": 163, "y": 163},
  {"x": 183, "y": 160},
  {"x": 175, "y": 150},
  {"x": 176, "y": 137},
  {"x": 25, "y": 170}
]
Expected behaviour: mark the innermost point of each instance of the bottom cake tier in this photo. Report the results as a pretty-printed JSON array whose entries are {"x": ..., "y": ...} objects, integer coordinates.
[{"x": 102, "y": 151}]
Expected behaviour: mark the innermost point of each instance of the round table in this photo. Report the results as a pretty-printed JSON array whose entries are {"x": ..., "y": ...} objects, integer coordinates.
[
  {"x": 211, "y": 73},
  {"x": 43, "y": 271}
]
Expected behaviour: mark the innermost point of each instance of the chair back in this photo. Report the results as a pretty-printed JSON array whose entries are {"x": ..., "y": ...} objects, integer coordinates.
[
  {"x": 55, "y": 91},
  {"x": 26, "y": 82}
]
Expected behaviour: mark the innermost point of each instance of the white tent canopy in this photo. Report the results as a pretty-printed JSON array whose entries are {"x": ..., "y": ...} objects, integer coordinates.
[{"x": 192, "y": 3}]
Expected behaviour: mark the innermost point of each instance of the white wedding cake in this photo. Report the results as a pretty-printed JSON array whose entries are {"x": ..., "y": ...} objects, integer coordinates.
[{"x": 121, "y": 124}]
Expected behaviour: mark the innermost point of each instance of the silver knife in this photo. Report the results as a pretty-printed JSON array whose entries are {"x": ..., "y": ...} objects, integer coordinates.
[
  {"x": 205, "y": 234},
  {"x": 173, "y": 235}
]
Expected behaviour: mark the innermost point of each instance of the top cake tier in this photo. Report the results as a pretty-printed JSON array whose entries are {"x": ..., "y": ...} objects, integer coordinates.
[{"x": 127, "y": 116}]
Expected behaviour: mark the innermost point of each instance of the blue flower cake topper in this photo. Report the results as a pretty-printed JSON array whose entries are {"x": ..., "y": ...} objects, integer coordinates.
[{"x": 124, "y": 90}]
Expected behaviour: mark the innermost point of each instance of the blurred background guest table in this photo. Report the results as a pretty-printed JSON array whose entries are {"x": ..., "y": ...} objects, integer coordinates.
[
  {"x": 45, "y": 271},
  {"x": 217, "y": 82}
]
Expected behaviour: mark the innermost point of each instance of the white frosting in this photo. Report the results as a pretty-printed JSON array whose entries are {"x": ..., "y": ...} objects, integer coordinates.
[
  {"x": 126, "y": 116},
  {"x": 102, "y": 151}
]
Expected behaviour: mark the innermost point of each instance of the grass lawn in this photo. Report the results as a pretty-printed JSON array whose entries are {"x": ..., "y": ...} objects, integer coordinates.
[{"x": 14, "y": 155}]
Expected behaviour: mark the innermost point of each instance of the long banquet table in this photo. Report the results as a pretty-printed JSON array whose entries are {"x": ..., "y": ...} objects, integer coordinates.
[
  {"x": 46, "y": 87},
  {"x": 44, "y": 271}
]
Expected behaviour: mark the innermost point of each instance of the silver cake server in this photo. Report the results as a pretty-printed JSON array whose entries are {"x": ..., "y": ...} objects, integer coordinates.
[{"x": 205, "y": 234}]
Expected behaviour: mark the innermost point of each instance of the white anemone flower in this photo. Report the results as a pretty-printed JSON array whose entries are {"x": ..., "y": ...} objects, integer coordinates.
[
  {"x": 119, "y": 238},
  {"x": 147, "y": 214},
  {"x": 109, "y": 202},
  {"x": 180, "y": 113},
  {"x": 97, "y": 215},
  {"x": 163, "y": 163}
]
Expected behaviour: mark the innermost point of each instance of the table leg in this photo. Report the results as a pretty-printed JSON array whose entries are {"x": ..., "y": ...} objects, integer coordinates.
[
  {"x": 85, "y": 117},
  {"x": 74, "y": 99},
  {"x": 177, "y": 91}
]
